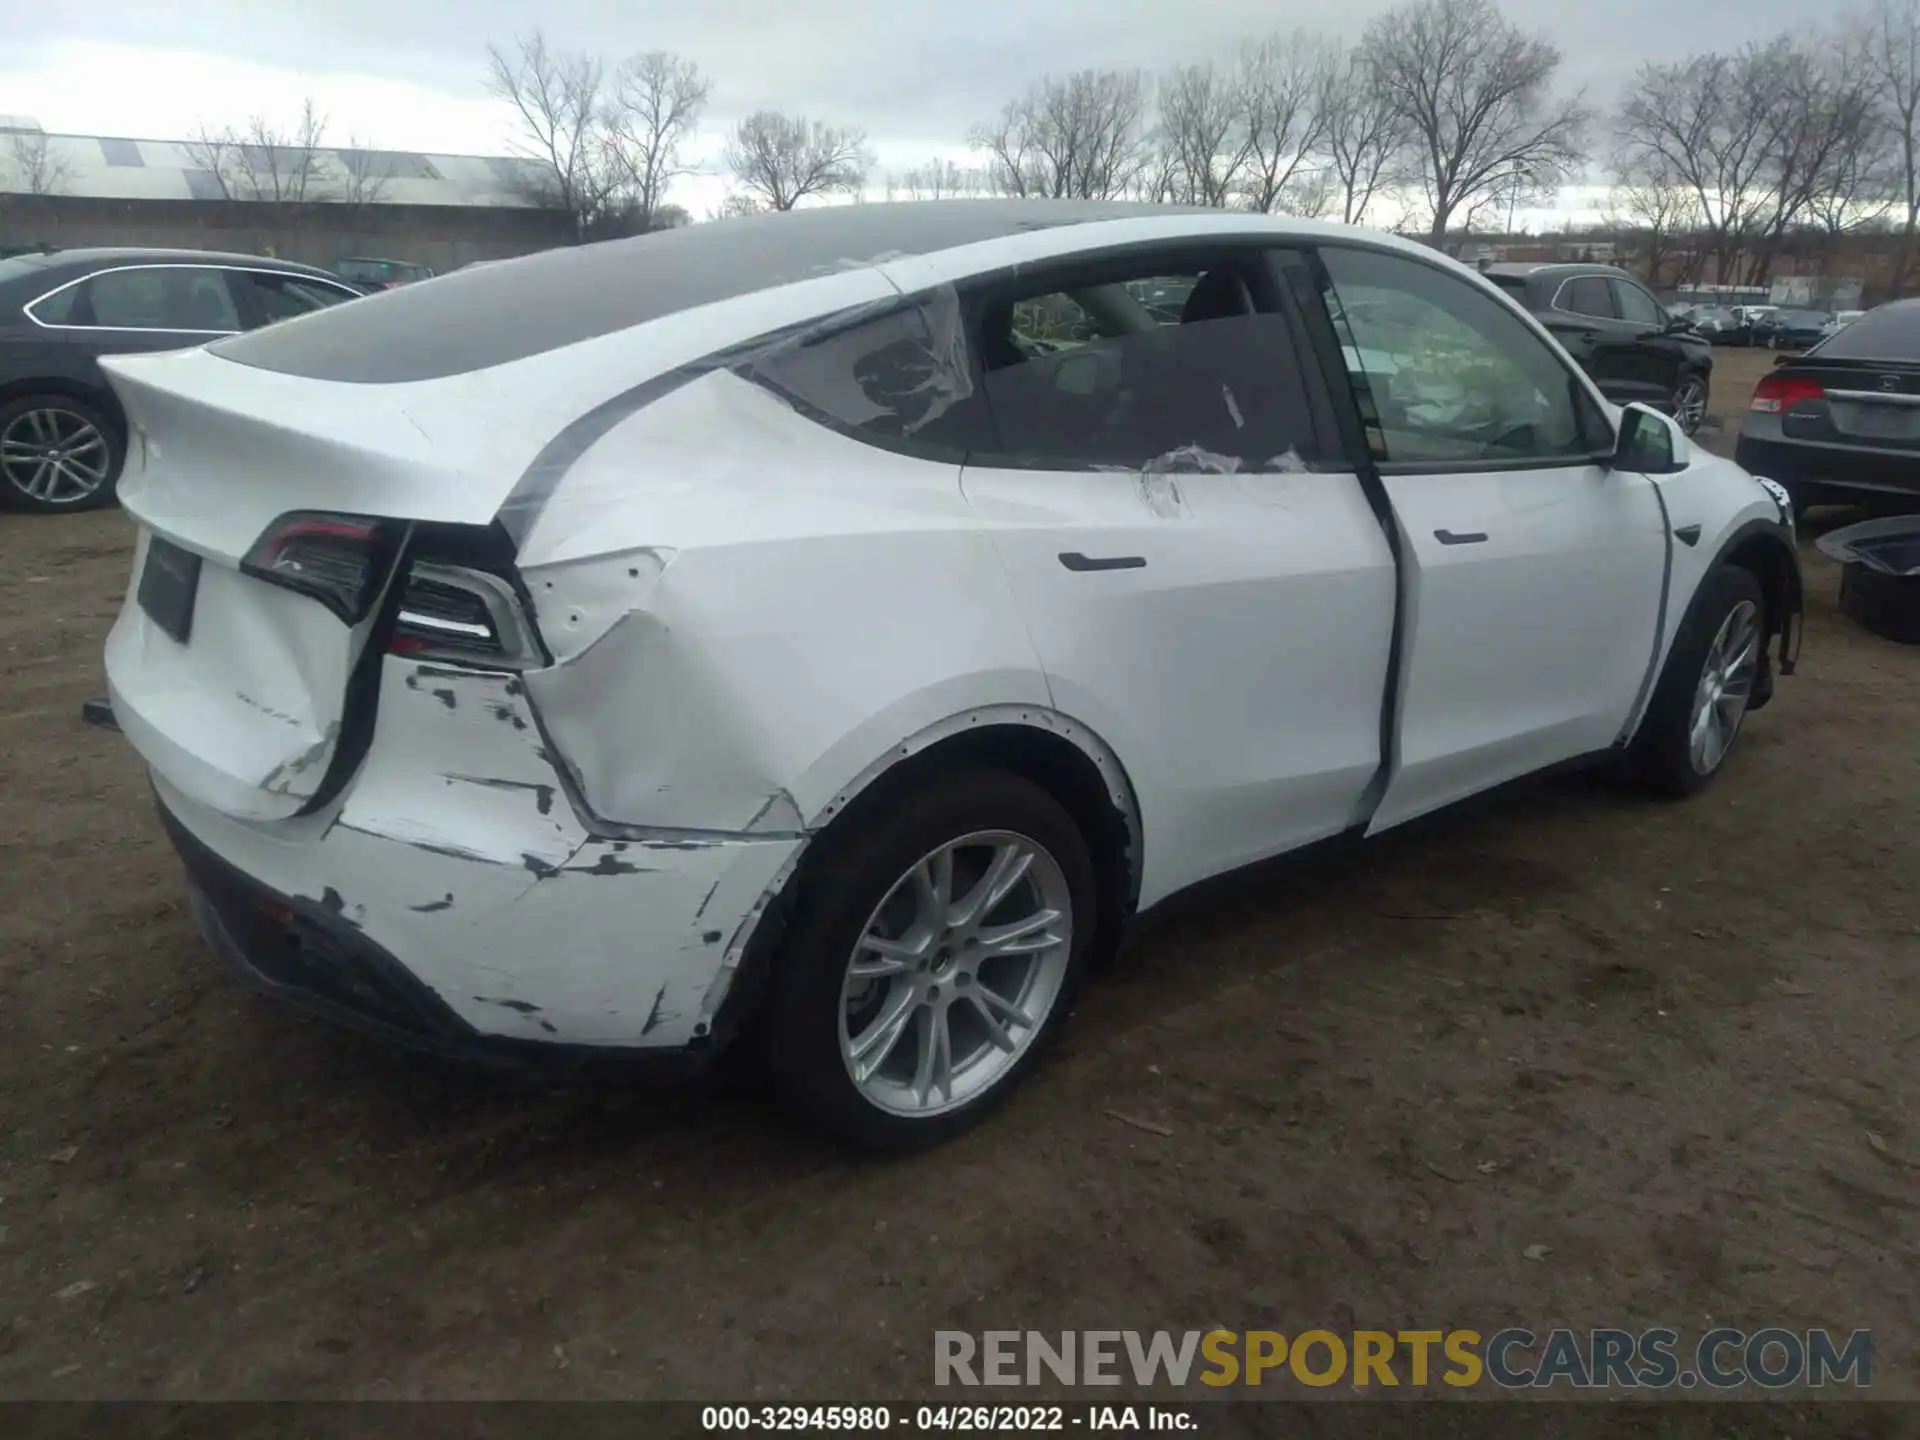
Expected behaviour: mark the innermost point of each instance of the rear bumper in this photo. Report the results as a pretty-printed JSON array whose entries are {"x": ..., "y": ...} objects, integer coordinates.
[
  {"x": 453, "y": 897},
  {"x": 1817, "y": 469}
]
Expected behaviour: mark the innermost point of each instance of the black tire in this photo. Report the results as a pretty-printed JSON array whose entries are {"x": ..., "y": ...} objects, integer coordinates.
[
  {"x": 1662, "y": 758},
  {"x": 13, "y": 478},
  {"x": 851, "y": 872}
]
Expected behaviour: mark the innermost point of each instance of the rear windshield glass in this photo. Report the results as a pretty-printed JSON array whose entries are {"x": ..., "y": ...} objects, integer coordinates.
[
  {"x": 1512, "y": 284},
  {"x": 1890, "y": 333},
  {"x": 487, "y": 315}
]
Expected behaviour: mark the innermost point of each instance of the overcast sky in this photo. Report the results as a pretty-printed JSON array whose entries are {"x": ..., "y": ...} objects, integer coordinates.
[{"x": 406, "y": 74}]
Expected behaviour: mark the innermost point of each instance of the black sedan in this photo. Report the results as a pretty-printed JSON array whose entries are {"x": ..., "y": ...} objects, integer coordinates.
[
  {"x": 62, "y": 435},
  {"x": 1793, "y": 329},
  {"x": 1841, "y": 423}
]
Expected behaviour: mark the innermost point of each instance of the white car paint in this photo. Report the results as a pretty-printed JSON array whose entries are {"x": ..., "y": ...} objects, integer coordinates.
[{"x": 749, "y": 617}]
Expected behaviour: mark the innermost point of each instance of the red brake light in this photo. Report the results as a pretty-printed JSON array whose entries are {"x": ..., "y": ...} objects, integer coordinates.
[
  {"x": 1777, "y": 394},
  {"x": 339, "y": 560}
]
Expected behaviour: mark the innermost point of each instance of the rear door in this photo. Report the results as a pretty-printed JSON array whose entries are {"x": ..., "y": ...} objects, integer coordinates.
[
  {"x": 1584, "y": 316},
  {"x": 1534, "y": 572},
  {"x": 1203, "y": 577},
  {"x": 1650, "y": 358}
]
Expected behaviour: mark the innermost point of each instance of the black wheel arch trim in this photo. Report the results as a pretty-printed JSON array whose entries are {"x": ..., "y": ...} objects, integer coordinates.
[{"x": 1784, "y": 610}]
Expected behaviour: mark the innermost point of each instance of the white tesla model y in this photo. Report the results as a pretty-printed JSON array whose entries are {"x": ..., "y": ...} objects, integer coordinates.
[{"x": 832, "y": 626}]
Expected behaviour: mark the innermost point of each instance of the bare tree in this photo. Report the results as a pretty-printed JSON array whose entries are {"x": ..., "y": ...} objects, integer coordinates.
[
  {"x": 936, "y": 180},
  {"x": 1703, "y": 125},
  {"x": 657, "y": 101},
  {"x": 1649, "y": 202},
  {"x": 1819, "y": 137},
  {"x": 367, "y": 172},
  {"x": 1887, "y": 41},
  {"x": 265, "y": 163},
  {"x": 1475, "y": 93},
  {"x": 42, "y": 169},
  {"x": 736, "y": 204},
  {"x": 556, "y": 98},
  {"x": 282, "y": 166},
  {"x": 1203, "y": 135},
  {"x": 214, "y": 152},
  {"x": 1363, "y": 133},
  {"x": 1281, "y": 88},
  {"x": 783, "y": 159},
  {"x": 1079, "y": 136}
]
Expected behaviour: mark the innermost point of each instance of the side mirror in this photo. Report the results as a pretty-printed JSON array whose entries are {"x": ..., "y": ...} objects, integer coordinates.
[{"x": 1644, "y": 445}]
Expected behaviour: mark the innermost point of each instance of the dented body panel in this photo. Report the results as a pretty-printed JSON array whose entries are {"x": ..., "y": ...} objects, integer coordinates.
[
  {"x": 739, "y": 615},
  {"x": 486, "y": 882}
]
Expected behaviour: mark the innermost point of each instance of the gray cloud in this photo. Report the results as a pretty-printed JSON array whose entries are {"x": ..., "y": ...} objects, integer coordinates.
[{"x": 915, "y": 77}]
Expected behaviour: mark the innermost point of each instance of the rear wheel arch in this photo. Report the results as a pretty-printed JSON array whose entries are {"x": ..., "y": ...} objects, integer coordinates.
[
  {"x": 100, "y": 397},
  {"x": 1060, "y": 755},
  {"x": 1066, "y": 759}
]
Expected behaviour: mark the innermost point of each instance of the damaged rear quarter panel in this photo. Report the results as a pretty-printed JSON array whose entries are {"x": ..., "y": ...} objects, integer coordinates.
[
  {"x": 456, "y": 848},
  {"x": 820, "y": 599}
]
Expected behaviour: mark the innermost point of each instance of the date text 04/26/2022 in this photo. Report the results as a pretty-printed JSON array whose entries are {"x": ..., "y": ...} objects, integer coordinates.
[{"x": 945, "y": 1419}]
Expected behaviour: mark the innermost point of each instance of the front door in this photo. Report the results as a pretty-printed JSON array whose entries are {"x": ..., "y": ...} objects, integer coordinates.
[
  {"x": 1204, "y": 588},
  {"x": 1534, "y": 571}
]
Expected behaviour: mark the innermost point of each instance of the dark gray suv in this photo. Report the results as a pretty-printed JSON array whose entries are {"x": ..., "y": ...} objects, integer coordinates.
[{"x": 1620, "y": 334}]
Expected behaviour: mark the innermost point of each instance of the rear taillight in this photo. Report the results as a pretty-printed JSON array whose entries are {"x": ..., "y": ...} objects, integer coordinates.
[
  {"x": 452, "y": 612},
  {"x": 1777, "y": 394},
  {"x": 339, "y": 560}
]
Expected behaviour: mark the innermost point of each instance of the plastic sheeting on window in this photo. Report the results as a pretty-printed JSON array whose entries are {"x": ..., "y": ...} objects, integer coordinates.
[
  {"x": 891, "y": 368},
  {"x": 890, "y": 373}
]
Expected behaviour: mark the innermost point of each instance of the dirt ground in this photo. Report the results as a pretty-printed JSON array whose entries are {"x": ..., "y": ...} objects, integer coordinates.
[{"x": 1675, "y": 1045}]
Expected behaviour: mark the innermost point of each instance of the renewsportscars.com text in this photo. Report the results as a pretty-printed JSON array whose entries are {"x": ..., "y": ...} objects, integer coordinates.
[{"x": 1721, "y": 1359}]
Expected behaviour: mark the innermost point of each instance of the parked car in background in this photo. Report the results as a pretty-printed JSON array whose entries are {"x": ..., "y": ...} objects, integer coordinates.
[
  {"x": 1793, "y": 329},
  {"x": 62, "y": 432},
  {"x": 1719, "y": 324},
  {"x": 699, "y": 637},
  {"x": 1841, "y": 423},
  {"x": 370, "y": 274},
  {"x": 1839, "y": 321},
  {"x": 1620, "y": 334}
]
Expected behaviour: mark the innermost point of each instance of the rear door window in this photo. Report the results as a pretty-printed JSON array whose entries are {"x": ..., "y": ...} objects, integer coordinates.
[
  {"x": 280, "y": 297},
  {"x": 1215, "y": 384},
  {"x": 1586, "y": 295},
  {"x": 158, "y": 297}
]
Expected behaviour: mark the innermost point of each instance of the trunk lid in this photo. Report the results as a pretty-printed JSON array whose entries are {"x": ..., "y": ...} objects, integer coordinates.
[
  {"x": 234, "y": 668},
  {"x": 1874, "y": 403}
]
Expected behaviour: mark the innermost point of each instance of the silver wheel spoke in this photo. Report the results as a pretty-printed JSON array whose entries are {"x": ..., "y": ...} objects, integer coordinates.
[
  {"x": 1009, "y": 867},
  {"x": 933, "y": 884},
  {"x": 935, "y": 1066},
  {"x": 1001, "y": 1006},
  {"x": 871, "y": 1050},
  {"x": 917, "y": 967},
  {"x": 1033, "y": 933},
  {"x": 995, "y": 1030}
]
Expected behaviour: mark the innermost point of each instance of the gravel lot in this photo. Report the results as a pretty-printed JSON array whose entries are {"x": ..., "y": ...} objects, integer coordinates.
[{"x": 1674, "y": 1045}]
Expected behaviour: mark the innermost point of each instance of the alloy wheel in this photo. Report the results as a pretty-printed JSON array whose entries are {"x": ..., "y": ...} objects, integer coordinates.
[
  {"x": 1724, "y": 689},
  {"x": 1690, "y": 405},
  {"x": 955, "y": 973},
  {"x": 55, "y": 456}
]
